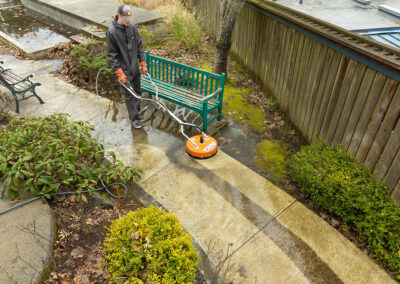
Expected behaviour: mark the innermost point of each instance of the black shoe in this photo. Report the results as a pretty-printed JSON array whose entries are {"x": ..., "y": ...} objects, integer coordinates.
[
  {"x": 136, "y": 124},
  {"x": 140, "y": 118}
]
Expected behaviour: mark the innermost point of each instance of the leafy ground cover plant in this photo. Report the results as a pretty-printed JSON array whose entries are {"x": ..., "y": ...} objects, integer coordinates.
[
  {"x": 149, "y": 246},
  {"x": 49, "y": 154},
  {"x": 338, "y": 183}
]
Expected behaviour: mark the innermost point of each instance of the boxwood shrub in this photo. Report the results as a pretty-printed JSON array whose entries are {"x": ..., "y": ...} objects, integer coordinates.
[
  {"x": 337, "y": 182},
  {"x": 149, "y": 246}
]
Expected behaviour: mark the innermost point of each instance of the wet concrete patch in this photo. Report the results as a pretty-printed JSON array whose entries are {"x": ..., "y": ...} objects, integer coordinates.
[
  {"x": 30, "y": 67},
  {"x": 30, "y": 31}
]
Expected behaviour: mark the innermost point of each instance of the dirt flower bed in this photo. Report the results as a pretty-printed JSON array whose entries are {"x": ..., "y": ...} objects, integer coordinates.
[{"x": 81, "y": 230}]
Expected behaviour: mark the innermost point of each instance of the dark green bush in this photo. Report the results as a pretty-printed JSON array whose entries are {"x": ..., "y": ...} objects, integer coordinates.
[
  {"x": 149, "y": 246},
  {"x": 45, "y": 155},
  {"x": 87, "y": 59},
  {"x": 335, "y": 181}
]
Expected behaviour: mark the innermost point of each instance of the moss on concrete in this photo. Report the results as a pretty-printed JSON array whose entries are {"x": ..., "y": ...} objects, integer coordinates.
[
  {"x": 236, "y": 105},
  {"x": 237, "y": 108},
  {"x": 272, "y": 157}
]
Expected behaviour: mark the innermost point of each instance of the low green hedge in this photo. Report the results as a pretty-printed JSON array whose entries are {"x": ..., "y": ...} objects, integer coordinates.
[
  {"x": 149, "y": 246},
  {"x": 337, "y": 182}
]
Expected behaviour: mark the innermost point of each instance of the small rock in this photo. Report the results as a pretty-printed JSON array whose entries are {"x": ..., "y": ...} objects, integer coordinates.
[
  {"x": 335, "y": 223},
  {"x": 78, "y": 252}
]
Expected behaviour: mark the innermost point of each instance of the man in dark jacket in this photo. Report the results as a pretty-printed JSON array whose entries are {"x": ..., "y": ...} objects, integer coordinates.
[{"x": 124, "y": 49}]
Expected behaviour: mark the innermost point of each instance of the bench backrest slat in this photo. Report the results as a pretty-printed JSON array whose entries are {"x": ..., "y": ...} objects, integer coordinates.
[{"x": 186, "y": 76}]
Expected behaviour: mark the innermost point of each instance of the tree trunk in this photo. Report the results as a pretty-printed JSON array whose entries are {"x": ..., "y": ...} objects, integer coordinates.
[{"x": 229, "y": 10}]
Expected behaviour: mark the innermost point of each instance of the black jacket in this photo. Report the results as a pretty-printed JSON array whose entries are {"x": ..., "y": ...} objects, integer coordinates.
[{"x": 124, "y": 48}]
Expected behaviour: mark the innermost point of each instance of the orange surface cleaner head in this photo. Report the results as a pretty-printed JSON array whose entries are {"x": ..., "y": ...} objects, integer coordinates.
[{"x": 206, "y": 147}]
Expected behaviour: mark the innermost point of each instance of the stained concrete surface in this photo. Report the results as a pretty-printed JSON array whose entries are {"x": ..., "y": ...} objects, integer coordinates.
[{"x": 224, "y": 205}]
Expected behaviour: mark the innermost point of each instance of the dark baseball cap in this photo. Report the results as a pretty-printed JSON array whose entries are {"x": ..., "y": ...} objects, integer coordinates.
[{"x": 126, "y": 12}]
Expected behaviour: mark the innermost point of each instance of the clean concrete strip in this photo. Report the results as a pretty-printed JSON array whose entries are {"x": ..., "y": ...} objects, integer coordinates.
[{"x": 348, "y": 262}]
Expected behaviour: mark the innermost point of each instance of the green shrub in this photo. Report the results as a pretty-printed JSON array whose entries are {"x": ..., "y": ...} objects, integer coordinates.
[
  {"x": 149, "y": 246},
  {"x": 44, "y": 155},
  {"x": 272, "y": 106},
  {"x": 89, "y": 58},
  {"x": 337, "y": 182},
  {"x": 184, "y": 27},
  {"x": 146, "y": 36}
]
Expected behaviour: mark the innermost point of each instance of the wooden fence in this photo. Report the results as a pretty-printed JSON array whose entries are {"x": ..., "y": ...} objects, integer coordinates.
[{"x": 334, "y": 85}]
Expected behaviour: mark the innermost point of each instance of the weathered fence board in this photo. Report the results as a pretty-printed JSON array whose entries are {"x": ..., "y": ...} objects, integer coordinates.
[
  {"x": 312, "y": 88},
  {"x": 290, "y": 72},
  {"x": 336, "y": 107},
  {"x": 326, "y": 92},
  {"x": 307, "y": 84},
  {"x": 376, "y": 118},
  {"x": 388, "y": 154},
  {"x": 361, "y": 98},
  {"x": 319, "y": 90},
  {"x": 344, "y": 115},
  {"x": 286, "y": 48},
  {"x": 340, "y": 76},
  {"x": 385, "y": 128},
  {"x": 391, "y": 178},
  {"x": 396, "y": 193},
  {"x": 376, "y": 90},
  {"x": 334, "y": 85}
]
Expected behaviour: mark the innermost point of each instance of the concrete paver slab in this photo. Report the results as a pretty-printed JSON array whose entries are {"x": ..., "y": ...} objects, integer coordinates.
[
  {"x": 101, "y": 12},
  {"x": 26, "y": 242},
  {"x": 189, "y": 192},
  {"x": 80, "y": 14},
  {"x": 349, "y": 263},
  {"x": 256, "y": 188}
]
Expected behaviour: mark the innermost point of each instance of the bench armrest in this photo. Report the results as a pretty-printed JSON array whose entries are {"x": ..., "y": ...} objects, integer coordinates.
[
  {"x": 23, "y": 80},
  {"x": 210, "y": 96}
]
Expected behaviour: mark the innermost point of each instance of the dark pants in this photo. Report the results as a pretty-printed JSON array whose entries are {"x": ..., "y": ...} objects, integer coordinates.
[{"x": 132, "y": 103}]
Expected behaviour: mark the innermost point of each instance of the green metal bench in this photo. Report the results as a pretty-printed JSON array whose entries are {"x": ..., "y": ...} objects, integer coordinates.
[
  {"x": 18, "y": 86},
  {"x": 192, "y": 88}
]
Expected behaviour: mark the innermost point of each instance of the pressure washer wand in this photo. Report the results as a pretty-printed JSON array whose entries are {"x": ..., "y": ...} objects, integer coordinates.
[{"x": 129, "y": 88}]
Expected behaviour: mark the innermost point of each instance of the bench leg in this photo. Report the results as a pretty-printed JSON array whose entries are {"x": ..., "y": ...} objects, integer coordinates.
[
  {"x": 40, "y": 100},
  {"x": 220, "y": 113},
  {"x": 16, "y": 104},
  {"x": 205, "y": 121}
]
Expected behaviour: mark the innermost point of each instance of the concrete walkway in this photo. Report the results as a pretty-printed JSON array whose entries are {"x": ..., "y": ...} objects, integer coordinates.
[
  {"x": 80, "y": 14},
  {"x": 224, "y": 205}
]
